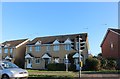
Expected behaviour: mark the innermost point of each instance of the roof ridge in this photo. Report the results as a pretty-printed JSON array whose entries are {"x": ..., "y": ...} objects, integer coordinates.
[
  {"x": 16, "y": 40},
  {"x": 59, "y": 35}
]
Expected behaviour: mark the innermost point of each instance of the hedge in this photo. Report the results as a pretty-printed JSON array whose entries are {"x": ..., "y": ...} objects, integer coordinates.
[{"x": 56, "y": 67}]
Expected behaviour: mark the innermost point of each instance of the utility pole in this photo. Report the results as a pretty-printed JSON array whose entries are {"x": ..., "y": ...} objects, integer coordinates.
[
  {"x": 81, "y": 47},
  {"x": 79, "y": 53}
]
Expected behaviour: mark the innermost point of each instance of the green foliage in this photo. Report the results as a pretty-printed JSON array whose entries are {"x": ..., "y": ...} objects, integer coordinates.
[
  {"x": 92, "y": 64},
  {"x": 72, "y": 67},
  {"x": 100, "y": 54},
  {"x": 111, "y": 64},
  {"x": 49, "y": 77},
  {"x": 56, "y": 67},
  {"x": 70, "y": 58},
  {"x": 118, "y": 64},
  {"x": 103, "y": 63}
]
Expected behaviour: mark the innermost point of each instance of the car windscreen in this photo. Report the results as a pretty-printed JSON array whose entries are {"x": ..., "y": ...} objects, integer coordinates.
[{"x": 8, "y": 65}]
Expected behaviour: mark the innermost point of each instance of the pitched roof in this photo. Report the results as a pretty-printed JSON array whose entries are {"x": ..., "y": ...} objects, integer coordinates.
[
  {"x": 60, "y": 38},
  {"x": 13, "y": 43},
  {"x": 116, "y": 31},
  {"x": 46, "y": 55}
]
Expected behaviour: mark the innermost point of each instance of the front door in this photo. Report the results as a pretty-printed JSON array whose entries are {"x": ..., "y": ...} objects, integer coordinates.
[
  {"x": 29, "y": 63},
  {"x": 76, "y": 62},
  {"x": 46, "y": 62}
]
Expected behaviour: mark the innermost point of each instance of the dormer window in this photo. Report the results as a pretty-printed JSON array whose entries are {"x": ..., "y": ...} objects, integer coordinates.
[
  {"x": 56, "y": 48},
  {"x": 48, "y": 48},
  {"x": 11, "y": 50},
  {"x": 30, "y": 48},
  {"x": 68, "y": 47},
  {"x": 68, "y": 41},
  {"x": 37, "y": 48},
  {"x": 6, "y": 50},
  {"x": 7, "y": 45},
  {"x": 56, "y": 42},
  {"x": 38, "y": 43}
]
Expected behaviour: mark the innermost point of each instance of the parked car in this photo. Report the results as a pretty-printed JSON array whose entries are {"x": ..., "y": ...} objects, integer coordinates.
[{"x": 8, "y": 70}]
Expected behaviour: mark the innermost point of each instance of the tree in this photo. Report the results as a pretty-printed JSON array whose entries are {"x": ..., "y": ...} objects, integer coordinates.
[{"x": 99, "y": 56}]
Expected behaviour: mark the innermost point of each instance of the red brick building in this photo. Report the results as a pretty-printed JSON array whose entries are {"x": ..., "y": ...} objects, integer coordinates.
[{"x": 111, "y": 44}]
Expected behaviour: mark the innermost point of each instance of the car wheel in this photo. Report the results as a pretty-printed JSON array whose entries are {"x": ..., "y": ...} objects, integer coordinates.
[{"x": 5, "y": 77}]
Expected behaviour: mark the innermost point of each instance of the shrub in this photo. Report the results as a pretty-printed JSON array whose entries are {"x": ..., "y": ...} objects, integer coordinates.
[
  {"x": 70, "y": 58},
  {"x": 72, "y": 67},
  {"x": 118, "y": 64},
  {"x": 92, "y": 64},
  {"x": 103, "y": 63},
  {"x": 56, "y": 67},
  {"x": 111, "y": 64}
]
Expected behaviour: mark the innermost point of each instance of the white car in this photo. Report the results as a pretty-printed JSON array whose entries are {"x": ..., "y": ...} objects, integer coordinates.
[{"x": 9, "y": 70}]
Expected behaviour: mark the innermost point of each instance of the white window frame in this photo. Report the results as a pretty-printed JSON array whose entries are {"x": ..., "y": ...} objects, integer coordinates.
[
  {"x": 37, "y": 60},
  {"x": 11, "y": 50},
  {"x": 0, "y": 50},
  {"x": 30, "y": 48},
  {"x": 5, "y": 50},
  {"x": 37, "y": 48},
  {"x": 48, "y": 48},
  {"x": 56, "y": 47},
  {"x": 68, "y": 47}
]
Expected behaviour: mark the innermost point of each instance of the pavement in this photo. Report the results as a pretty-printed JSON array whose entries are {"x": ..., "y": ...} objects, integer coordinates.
[{"x": 100, "y": 75}]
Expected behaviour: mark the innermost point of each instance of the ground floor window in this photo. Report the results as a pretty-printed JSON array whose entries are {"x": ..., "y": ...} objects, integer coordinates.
[{"x": 37, "y": 60}]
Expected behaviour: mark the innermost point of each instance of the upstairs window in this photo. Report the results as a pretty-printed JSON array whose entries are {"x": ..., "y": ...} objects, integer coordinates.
[
  {"x": 30, "y": 48},
  {"x": 37, "y": 48},
  {"x": 11, "y": 50},
  {"x": 68, "y": 47},
  {"x": 6, "y": 50},
  {"x": 48, "y": 48},
  {"x": 111, "y": 45},
  {"x": 56, "y": 47}
]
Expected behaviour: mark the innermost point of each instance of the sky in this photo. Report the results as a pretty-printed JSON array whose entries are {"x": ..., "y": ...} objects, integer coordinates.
[{"x": 37, "y": 19}]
